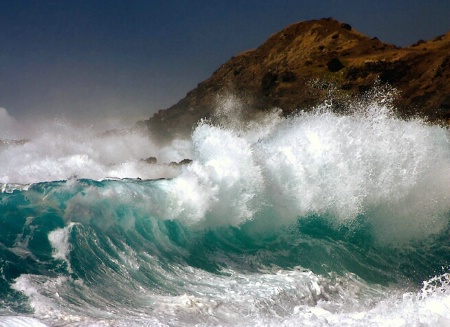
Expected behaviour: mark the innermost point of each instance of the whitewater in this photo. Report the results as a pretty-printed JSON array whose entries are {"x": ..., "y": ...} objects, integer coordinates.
[{"x": 316, "y": 219}]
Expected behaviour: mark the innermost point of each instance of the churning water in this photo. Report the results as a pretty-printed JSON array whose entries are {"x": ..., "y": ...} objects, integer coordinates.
[{"x": 318, "y": 219}]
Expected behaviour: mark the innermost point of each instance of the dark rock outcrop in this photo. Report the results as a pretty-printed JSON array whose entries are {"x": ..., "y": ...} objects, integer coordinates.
[
  {"x": 181, "y": 163},
  {"x": 150, "y": 160}
]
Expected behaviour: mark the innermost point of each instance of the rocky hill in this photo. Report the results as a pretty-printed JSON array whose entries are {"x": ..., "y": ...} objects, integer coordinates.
[{"x": 294, "y": 69}]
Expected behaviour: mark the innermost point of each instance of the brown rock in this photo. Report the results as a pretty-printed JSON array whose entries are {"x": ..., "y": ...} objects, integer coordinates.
[{"x": 280, "y": 71}]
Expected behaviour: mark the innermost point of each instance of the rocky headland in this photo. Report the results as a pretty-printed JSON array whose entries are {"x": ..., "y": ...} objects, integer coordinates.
[{"x": 296, "y": 67}]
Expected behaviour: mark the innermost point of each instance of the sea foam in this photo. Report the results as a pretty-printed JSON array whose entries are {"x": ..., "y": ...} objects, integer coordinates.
[
  {"x": 59, "y": 150},
  {"x": 394, "y": 173}
]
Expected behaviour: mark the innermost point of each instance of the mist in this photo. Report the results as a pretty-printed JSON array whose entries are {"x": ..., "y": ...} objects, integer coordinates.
[{"x": 60, "y": 149}]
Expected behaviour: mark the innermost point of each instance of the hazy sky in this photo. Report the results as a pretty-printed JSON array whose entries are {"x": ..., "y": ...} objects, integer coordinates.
[{"x": 87, "y": 59}]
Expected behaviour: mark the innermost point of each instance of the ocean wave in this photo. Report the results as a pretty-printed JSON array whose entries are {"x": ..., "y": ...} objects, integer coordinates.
[{"x": 318, "y": 218}]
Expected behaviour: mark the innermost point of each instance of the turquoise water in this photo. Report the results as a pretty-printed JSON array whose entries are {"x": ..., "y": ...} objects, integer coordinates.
[{"x": 318, "y": 219}]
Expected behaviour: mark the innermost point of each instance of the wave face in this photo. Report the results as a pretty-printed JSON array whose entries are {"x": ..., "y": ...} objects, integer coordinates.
[{"x": 318, "y": 219}]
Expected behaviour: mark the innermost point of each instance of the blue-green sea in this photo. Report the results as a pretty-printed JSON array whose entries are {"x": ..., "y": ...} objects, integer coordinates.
[{"x": 318, "y": 219}]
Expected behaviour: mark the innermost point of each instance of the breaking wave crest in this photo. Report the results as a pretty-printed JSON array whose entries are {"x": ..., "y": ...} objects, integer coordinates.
[{"x": 318, "y": 218}]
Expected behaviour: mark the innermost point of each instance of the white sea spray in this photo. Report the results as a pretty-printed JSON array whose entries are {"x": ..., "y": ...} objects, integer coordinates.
[{"x": 215, "y": 244}]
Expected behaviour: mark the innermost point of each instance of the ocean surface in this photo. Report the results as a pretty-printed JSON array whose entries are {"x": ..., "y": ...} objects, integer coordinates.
[{"x": 318, "y": 219}]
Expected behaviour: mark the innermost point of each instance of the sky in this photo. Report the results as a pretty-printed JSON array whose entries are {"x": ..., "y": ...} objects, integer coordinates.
[{"x": 87, "y": 60}]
